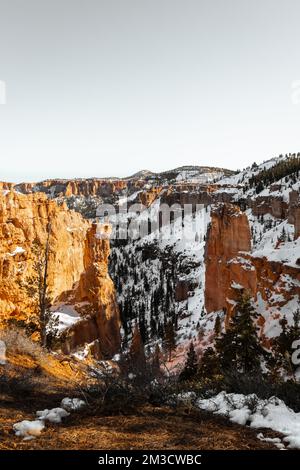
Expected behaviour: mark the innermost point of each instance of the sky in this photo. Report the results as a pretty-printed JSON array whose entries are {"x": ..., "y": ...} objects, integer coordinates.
[{"x": 100, "y": 88}]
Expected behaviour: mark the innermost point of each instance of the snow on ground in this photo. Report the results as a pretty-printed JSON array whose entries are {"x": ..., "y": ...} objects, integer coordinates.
[
  {"x": 272, "y": 314},
  {"x": 274, "y": 239},
  {"x": 31, "y": 429},
  {"x": 273, "y": 440},
  {"x": 71, "y": 404},
  {"x": 183, "y": 241},
  {"x": 53, "y": 416},
  {"x": 63, "y": 317},
  {"x": 28, "y": 429},
  {"x": 193, "y": 176},
  {"x": 2, "y": 353},
  {"x": 257, "y": 413},
  {"x": 244, "y": 175},
  {"x": 287, "y": 253}
]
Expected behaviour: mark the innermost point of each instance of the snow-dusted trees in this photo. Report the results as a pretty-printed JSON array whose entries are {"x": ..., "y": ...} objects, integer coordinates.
[{"x": 282, "y": 347}]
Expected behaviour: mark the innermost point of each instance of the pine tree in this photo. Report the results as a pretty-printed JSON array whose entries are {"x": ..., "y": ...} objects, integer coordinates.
[
  {"x": 169, "y": 341},
  {"x": 191, "y": 365},
  {"x": 37, "y": 286},
  {"x": 137, "y": 352},
  {"x": 218, "y": 326},
  {"x": 239, "y": 348},
  {"x": 209, "y": 364},
  {"x": 155, "y": 361}
]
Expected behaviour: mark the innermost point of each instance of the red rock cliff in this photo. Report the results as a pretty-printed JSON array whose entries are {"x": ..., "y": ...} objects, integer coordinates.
[{"x": 228, "y": 235}]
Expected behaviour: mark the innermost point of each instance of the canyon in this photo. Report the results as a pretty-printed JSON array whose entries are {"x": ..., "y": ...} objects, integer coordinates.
[{"x": 101, "y": 287}]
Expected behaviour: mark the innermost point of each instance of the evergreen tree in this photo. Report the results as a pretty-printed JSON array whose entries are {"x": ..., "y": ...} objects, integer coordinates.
[
  {"x": 155, "y": 361},
  {"x": 239, "y": 348},
  {"x": 209, "y": 364},
  {"x": 37, "y": 287},
  {"x": 137, "y": 352},
  {"x": 218, "y": 326},
  {"x": 169, "y": 341},
  {"x": 190, "y": 368}
]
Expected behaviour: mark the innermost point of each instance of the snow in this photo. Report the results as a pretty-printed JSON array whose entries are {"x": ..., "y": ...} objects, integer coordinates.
[
  {"x": 245, "y": 175},
  {"x": 53, "y": 416},
  {"x": 193, "y": 176},
  {"x": 288, "y": 253},
  {"x": 184, "y": 243},
  {"x": 72, "y": 404},
  {"x": 273, "y": 440},
  {"x": 17, "y": 250},
  {"x": 271, "y": 413},
  {"x": 28, "y": 429},
  {"x": 235, "y": 285},
  {"x": 64, "y": 316},
  {"x": 31, "y": 429},
  {"x": 2, "y": 353}
]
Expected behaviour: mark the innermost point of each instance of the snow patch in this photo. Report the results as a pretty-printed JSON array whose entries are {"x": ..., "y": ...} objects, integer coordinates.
[
  {"x": 72, "y": 404},
  {"x": 53, "y": 416},
  {"x": 249, "y": 409},
  {"x": 28, "y": 429}
]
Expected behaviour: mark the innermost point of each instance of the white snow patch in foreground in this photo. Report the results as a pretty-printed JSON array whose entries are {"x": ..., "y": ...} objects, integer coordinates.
[
  {"x": 72, "y": 404},
  {"x": 53, "y": 416},
  {"x": 28, "y": 429},
  {"x": 243, "y": 409},
  {"x": 274, "y": 440}
]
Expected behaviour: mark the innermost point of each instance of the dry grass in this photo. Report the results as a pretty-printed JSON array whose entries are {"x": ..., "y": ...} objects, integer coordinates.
[{"x": 148, "y": 428}]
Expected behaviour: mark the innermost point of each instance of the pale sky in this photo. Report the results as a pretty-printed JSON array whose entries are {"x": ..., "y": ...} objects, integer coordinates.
[{"x": 110, "y": 87}]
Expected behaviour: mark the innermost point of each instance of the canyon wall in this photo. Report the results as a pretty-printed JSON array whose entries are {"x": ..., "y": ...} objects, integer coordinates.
[
  {"x": 228, "y": 235},
  {"x": 77, "y": 263},
  {"x": 230, "y": 266}
]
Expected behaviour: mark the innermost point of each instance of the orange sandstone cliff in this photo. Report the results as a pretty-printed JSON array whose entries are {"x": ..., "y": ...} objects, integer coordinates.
[{"x": 77, "y": 263}]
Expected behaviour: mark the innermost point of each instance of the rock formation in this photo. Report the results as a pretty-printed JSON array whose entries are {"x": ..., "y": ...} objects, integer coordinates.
[
  {"x": 228, "y": 235},
  {"x": 230, "y": 266},
  {"x": 96, "y": 290},
  {"x": 77, "y": 261}
]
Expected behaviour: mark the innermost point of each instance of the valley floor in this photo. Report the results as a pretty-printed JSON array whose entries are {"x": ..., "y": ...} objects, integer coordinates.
[{"x": 148, "y": 428}]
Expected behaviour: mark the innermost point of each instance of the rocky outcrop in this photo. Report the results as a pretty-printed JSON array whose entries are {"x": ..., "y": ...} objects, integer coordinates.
[
  {"x": 275, "y": 206},
  {"x": 76, "y": 187},
  {"x": 294, "y": 212},
  {"x": 228, "y": 235},
  {"x": 97, "y": 290},
  {"x": 77, "y": 263},
  {"x": 230, "y": 267}
]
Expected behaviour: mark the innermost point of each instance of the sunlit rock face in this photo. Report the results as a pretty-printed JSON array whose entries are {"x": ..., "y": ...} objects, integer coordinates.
[{"x": 78, "y": 264}]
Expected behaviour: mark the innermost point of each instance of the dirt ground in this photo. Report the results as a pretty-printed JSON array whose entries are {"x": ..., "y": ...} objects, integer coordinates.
[{"x": 147, "y": 428}]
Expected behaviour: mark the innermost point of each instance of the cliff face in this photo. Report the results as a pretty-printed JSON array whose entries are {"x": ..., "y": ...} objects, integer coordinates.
[
  {"x": 67, "y": 188},
  {"x": 229, "y": 234},
  {"x": 97, "y": 290},
  {"x": 74, "y": 259},
  {"x": 230, "y": 266}
]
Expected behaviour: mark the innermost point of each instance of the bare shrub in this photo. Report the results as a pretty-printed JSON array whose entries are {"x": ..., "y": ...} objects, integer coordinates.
[{"x": 17, "y": 341}]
